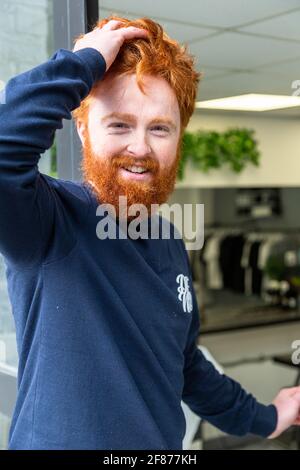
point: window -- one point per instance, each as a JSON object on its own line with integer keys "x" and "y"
{"x": 25, "y": 41}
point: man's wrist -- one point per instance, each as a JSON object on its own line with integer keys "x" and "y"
{"x": 275, "y": 432}
{"x": 265, "y": 421}
{"x": 94, "y": 60}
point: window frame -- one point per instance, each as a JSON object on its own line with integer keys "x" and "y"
{"x": 70, "y": 19}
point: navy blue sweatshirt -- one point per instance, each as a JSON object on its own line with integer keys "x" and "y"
{"x": 106, "y": 329}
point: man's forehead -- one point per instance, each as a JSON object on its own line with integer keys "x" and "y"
{"x": 120, "y": 88}
{"x": 122, "y": 99}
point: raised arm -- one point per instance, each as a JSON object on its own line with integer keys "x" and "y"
{"x": 33, "y": 107}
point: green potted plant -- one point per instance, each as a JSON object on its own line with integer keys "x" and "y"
{"x": 208, "y": 150}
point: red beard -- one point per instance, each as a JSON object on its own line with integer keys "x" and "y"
{"x": 108, "y": 184}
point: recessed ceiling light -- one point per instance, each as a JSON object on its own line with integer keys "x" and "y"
{"x": 251, "y": 102}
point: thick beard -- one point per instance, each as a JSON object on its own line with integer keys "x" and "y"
{"x": 108, "y": 184}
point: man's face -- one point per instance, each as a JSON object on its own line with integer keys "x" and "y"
{"x": 128, "y": 129}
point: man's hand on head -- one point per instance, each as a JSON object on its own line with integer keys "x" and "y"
{"x": 109, "y": 39}
{"x": 287, "y": 403}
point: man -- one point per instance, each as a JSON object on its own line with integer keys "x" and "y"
{"x": 107, "y": 327}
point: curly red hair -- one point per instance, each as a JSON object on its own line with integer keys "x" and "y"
{"x": 157, "y": 55}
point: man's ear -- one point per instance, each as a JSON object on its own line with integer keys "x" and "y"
{"x": 81, "y": 129}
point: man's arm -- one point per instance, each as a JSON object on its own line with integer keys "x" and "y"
{"x": 35, "y": 103}
{"x": 219, "y": 399}
{"x": 224, "y": 403}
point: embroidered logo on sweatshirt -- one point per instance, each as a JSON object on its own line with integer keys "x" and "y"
{"x": 184, "y": 293}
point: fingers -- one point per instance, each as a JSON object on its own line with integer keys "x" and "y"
{"x": 291, "y": 391}
{"x": 112, "y": 24}
{"x": 133, "y": 32}
{"x": 296, "y": 395}
{"x": 128, "y": 32}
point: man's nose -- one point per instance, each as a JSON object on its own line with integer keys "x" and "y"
{"x": 139, "y": 145}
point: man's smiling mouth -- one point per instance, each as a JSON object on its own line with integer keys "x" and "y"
{"x": 136, "y": 169}
{"x": 135, "y": 172}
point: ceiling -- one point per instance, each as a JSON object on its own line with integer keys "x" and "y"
{"x": 240, "y": 46}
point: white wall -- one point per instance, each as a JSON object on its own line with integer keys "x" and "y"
{"x": 279, "y": 143}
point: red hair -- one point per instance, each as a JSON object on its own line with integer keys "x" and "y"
{"x": 157, "y": 55}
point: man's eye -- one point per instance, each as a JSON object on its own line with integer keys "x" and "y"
{"x": 122, "y": 125}
{"x": 118, "y": 125}
{"x": 161, "y": 128}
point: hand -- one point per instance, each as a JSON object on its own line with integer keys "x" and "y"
{"x": 108, "y": 39}
{"x": 287, "y": 404}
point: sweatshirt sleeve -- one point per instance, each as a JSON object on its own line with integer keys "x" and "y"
{"x": 219, "y": 399}
{"x": 33, "y": 106}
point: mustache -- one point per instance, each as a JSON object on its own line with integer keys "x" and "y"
{"x": 120, "y": 161}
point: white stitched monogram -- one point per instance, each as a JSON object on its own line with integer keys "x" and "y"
{"x": 184, "y": 294}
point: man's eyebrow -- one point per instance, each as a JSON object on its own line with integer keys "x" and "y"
{"x": 131, "y": 118}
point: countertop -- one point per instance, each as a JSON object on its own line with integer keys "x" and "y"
{"x": 226, "y": 311}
